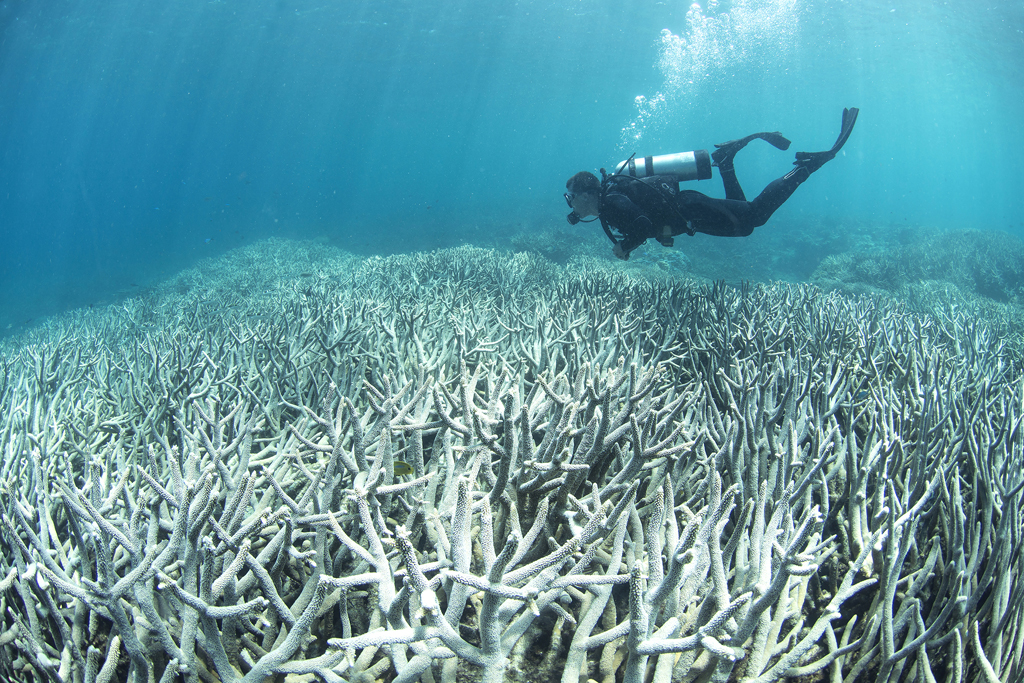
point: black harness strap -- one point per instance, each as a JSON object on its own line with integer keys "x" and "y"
{"x": 658, "y": 192}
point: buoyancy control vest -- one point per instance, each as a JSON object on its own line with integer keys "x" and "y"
{"x": 680, "y": 167}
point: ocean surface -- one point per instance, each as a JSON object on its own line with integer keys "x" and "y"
{"x": 138, "y": 137}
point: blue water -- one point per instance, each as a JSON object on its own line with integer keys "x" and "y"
{"x": 139, "y": 136}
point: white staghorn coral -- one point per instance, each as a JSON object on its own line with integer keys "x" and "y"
{"x": 465, "y": 465}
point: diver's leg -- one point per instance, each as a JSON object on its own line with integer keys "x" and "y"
{"x": 725, "y": 152}
{"x": 720, "y": 217}
{"x": 729, "y": 181}
{"x": 773, "y": 196}
{"x": 778, "y": 191}
{"x": 736, "y": 218}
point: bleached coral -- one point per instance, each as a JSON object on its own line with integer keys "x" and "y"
{"x": 441, "y": 465}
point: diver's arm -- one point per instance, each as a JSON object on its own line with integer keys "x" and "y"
{"x": 642, "y": 229}
{"x": 628, "y": 219}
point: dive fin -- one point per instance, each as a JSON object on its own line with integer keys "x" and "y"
{"x": 727, "y": 150}
{"x": 776, "y": 140}
{"x": 812, "y": 161}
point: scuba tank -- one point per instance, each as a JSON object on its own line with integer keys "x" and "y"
{"x": 695, "y": 165}
{"x": 682, "y": 166}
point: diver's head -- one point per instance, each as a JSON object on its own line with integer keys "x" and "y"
{"x": 582, "y": 196}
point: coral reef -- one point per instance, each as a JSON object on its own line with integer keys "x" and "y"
{"x": 983, "y": 263}
{"x": 293, "y": 465}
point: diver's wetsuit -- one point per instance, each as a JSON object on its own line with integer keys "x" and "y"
{"x": 642, "y": 208}
{"x": 653, "y": 207}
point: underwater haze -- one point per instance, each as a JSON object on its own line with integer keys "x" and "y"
{"x": 138, "y": 136}
{"x": 305, "y": 375}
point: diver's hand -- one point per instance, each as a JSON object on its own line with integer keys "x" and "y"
{"x": 620, "y": 253}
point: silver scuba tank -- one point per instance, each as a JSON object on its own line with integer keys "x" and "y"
{"x": 695, "y": 165}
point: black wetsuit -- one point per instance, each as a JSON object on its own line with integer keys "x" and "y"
{"x": 643, "y": 208}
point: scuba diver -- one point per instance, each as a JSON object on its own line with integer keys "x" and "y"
{"x": 642, "y": 200}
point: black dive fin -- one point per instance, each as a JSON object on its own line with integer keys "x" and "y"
{"x": 812, "y": 161}
{"x": 776, "y": 140}
{"x": 727, "y": 150}
{"x": 849, "y": 118}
